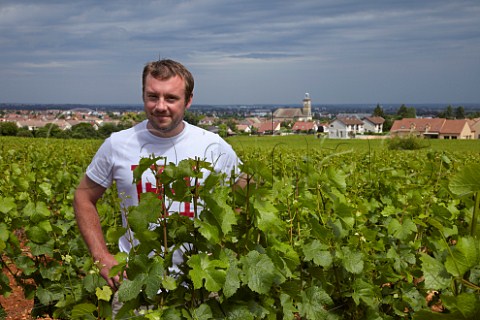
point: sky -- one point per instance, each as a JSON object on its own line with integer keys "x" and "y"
{"x": 243, "y": 52}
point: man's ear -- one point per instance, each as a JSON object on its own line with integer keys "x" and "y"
{"x": 189, "y": 102}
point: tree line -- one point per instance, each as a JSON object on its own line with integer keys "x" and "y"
{"x": 449, "y": 112}
{"x": 82, "y": 130}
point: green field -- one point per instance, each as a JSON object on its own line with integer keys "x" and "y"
{"x": 328, "y": 229}
{"x": 310, "y": 142}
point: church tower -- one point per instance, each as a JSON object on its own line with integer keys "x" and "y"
{"x": 307, "y": 107}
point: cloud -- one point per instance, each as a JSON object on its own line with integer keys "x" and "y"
{"x": 309, "y": 40}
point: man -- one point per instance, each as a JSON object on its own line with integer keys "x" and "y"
{"x": 167, "y": 94}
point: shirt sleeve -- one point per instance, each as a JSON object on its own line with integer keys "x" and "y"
{"x": 100, "y": 169}
{"x": 227, "y": 160}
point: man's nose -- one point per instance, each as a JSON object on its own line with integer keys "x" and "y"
{"x": 161, "y": 104}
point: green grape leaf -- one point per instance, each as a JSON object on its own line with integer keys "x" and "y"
{"x": 212, "y": 271}
{"x": 104, "y": 293}
{"x": 207, "y": 227}
{"x": 259, "y": 271}
{"x": 365, "y": 292}
{"x": 317, "y": 252}
{"x": 169, "y": 283}
{"x": 36, "y": 213}
{"x": 288, "y": 306}
{"x": 143, "y": 165}
{"x": 466, "y": 181}
{"x": 345, "y": 213}
{"x": 465, "y": 256}
{"x": 401, "y": 231}
{"x": 239, "y": 312}
{"x": 37, "y": 235}
{"x": 337, "y": 178}
{"x": 232, "y": 281}
{"x": 154, "y": 278}
{"x": 84, "y": 311}
{"x": 130, "y": 289}
{"x": 7, "y": 204}
{"x": 268, "y": 219}
{"x": 217, "y": 201}
{"x": 313, "y": 303}
{"x": 46, "y": 188}
{"x": 26, "y": 264}
{"x": 436, "y": 277}
{"x": 203, "y": 312}
{"x": 352, "y": 261}
{"x": 148, "y": 211}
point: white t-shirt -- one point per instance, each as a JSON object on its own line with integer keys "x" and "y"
{"x": 116, "y": 159}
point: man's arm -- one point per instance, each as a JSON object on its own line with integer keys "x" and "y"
{"x": 242, "y": 181}
{"x": 86, "y": 196}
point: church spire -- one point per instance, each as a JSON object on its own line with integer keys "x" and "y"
{"x": 307, "y": 107}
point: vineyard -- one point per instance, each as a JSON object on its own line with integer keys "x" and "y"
{"x": 326, "y": 229}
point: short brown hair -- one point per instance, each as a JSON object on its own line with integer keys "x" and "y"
{"x": 165, "y": 69}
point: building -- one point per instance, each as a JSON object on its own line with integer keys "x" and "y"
{"x": 433, "y": 128}
{"x": 295, "y": 114}
{"x": 304, "y": 126}
{"x": 267, "y": 127}
{"x": 345, "y": 128}
{"x": 475, "y": 126}
{"x": 373, "y": 124}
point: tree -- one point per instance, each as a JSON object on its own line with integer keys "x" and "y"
{"x": 460, "y": 113}
{"x": 387, "y": 125}
{"x": 192, "y": 117}
{"x": 84, "y": 130}
{"x": 232, "y": 125}
{"x": 50, "y": 130}
{"x": 22, "y": 132}
{"x": 378, "y": 112}
{"x": 8, "y": 129}
{"x": 223, "y": 130}
{"x": 406, "y": 112}
{"x": 107, "y": 129}
{"x": 448, "y": 113}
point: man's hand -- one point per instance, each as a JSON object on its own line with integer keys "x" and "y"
{"x": 106, "y": 263}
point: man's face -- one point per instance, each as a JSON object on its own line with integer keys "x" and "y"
{"x": 165, "y": 105}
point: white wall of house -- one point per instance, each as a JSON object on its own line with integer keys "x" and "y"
{"x": 339, "y": 130}
{"x": 372, "y": 127}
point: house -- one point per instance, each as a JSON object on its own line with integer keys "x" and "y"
{"x": 433, "y": 128}
{"x": 373, "y": 124}
{"x": 267, "y": 127}
{"x": 244, "y": 128}
{"x": 323, "y": 127}
{"x": 475, "y": 126}
{"x": 250, "y": 121}
{"x": 207, "y": 121}
{"x": 303, "y": 126}
{"x": 30, "y": 124}
{"x": 345, "y": 128}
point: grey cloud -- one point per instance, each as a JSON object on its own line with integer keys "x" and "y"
{"x": 99, "y": 38}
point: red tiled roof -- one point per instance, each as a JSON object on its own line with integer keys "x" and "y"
{"x": 433, "y": 125}
{"x": 303, "y": 126}
{"x": 420, "y": 125}
{"x": 267, "y": 126}
{"x": 375, "y": 120}
{"x": 288, "y": 113}
{"x": 350, "y": 120}
{"x": 453, "y": 126}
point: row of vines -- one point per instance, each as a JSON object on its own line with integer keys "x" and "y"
{"x": 317, "y": 234}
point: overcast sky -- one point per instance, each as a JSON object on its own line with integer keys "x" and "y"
{"x": 243, "y": 51}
